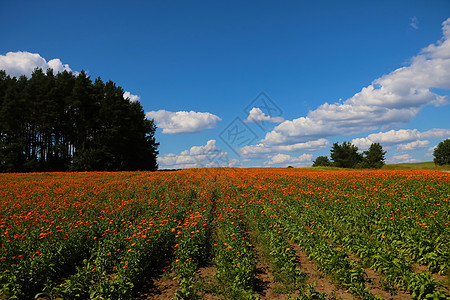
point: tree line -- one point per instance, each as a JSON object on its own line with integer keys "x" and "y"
{"x": 347, "y": 156}
{"x": 67, "y": 122}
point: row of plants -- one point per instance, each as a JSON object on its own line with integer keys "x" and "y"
{"x": 192, "y": 249}
{"x": 105, "y": 235}
{"x": 234, "y": 256}
{"x": 92, "y": 244}
{"x": 381, "y": 253}
{"x": 396, "y": 270}
{"x": 119, "y": 264}
{"x": 272, "y": 238}
{"x": 332, "y": 212}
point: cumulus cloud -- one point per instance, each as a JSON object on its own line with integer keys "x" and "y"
{"x": 257, "y": 115}
{"x": 133, "y": 98}
{"x": 23, "y": 63}
{"x": 209, "y": 148}
{"x": 208, "y": 155}
{"x": 287, "y": 159}
{"x": 261, "y": 149}
{"x": 399, "y": 136}
{"x": 183, "y": 121}
{"x": 391, "y": 100}
{"x": 402, "y": 158}
{"x": 413, "y": 145}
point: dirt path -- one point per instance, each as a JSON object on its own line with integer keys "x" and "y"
{"x": 206, "y": 277}
{"x": 160, "y": 287}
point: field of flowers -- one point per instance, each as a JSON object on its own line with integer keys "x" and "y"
{"x": 210, "y": 232}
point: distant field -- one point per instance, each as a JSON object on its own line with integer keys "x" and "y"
{"x": 416, "y": 166}
{"x": 429, "y": 165}
{"x": 226, "y": 233}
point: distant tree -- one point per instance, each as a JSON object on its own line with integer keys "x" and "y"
{"x": 442, "y": 153}
{"x": 321, "y": 161}
{"x": 373, "y": 158}
{"x": 345, "y": 155}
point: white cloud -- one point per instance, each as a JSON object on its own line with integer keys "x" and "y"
{"x": 391, "y": 100}
{"x": 208, "y": 155}
{"x": 23, "y": 63}
{"x": 183, "y": 121}
{"x": 413, "y": 145}
{"x": 209, "y": 148}
{"x": 399, "y": 136}
{"x": 261, "y": 149}
{"x": 402, "y": 158}
{"x": 257, "y": 115}
{"x": 133, "y": 98}
{"x": 414, "y": 22}
{"x": 287, "y": 159}
{"x": 430, "y": 151}
{"x": 234, "y": 163}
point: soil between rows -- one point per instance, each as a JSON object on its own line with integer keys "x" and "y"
{"x": 265, "y": 282}
{"x": 314, "y": 275}
{"x": 164, "y": 286}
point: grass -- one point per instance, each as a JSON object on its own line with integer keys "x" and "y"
{"x": 429, "y": 165}
{"x": 417, "y": 166}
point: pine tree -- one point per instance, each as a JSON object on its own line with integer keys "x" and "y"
{"x": 374, "y": 157}
{"x": 345, "y": 155}
{"x": 65, "y": 122}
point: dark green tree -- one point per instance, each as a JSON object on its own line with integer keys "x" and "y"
{"x": 13, "y": 134}
{"x": 321, "y": 161}
{"x": 124, "y": 139}
{"x": 60, "y": 122}
{"x": 345, "y": 155}
{"x": 63, "y": 126}
{"x": 373, "y": 158}
{"x": 442, "y": 153}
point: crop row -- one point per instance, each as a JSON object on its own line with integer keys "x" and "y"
{"x": 105, "y": 235}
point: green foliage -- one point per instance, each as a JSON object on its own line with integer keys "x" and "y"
{"x": 321, "y": 161}
{"x": 425, "y": 287}
{"x": 234, "y": 257}
{"x": 345, "y": 155}
{"x": 310, "y": 293}
{"x": 373, "y": 158}
{"x": 273, "y": 240}
{"x": 67, "y": 122}
{"x": 442, "y": 153}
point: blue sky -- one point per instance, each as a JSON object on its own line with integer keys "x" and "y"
{"x": 254, "y": 83}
